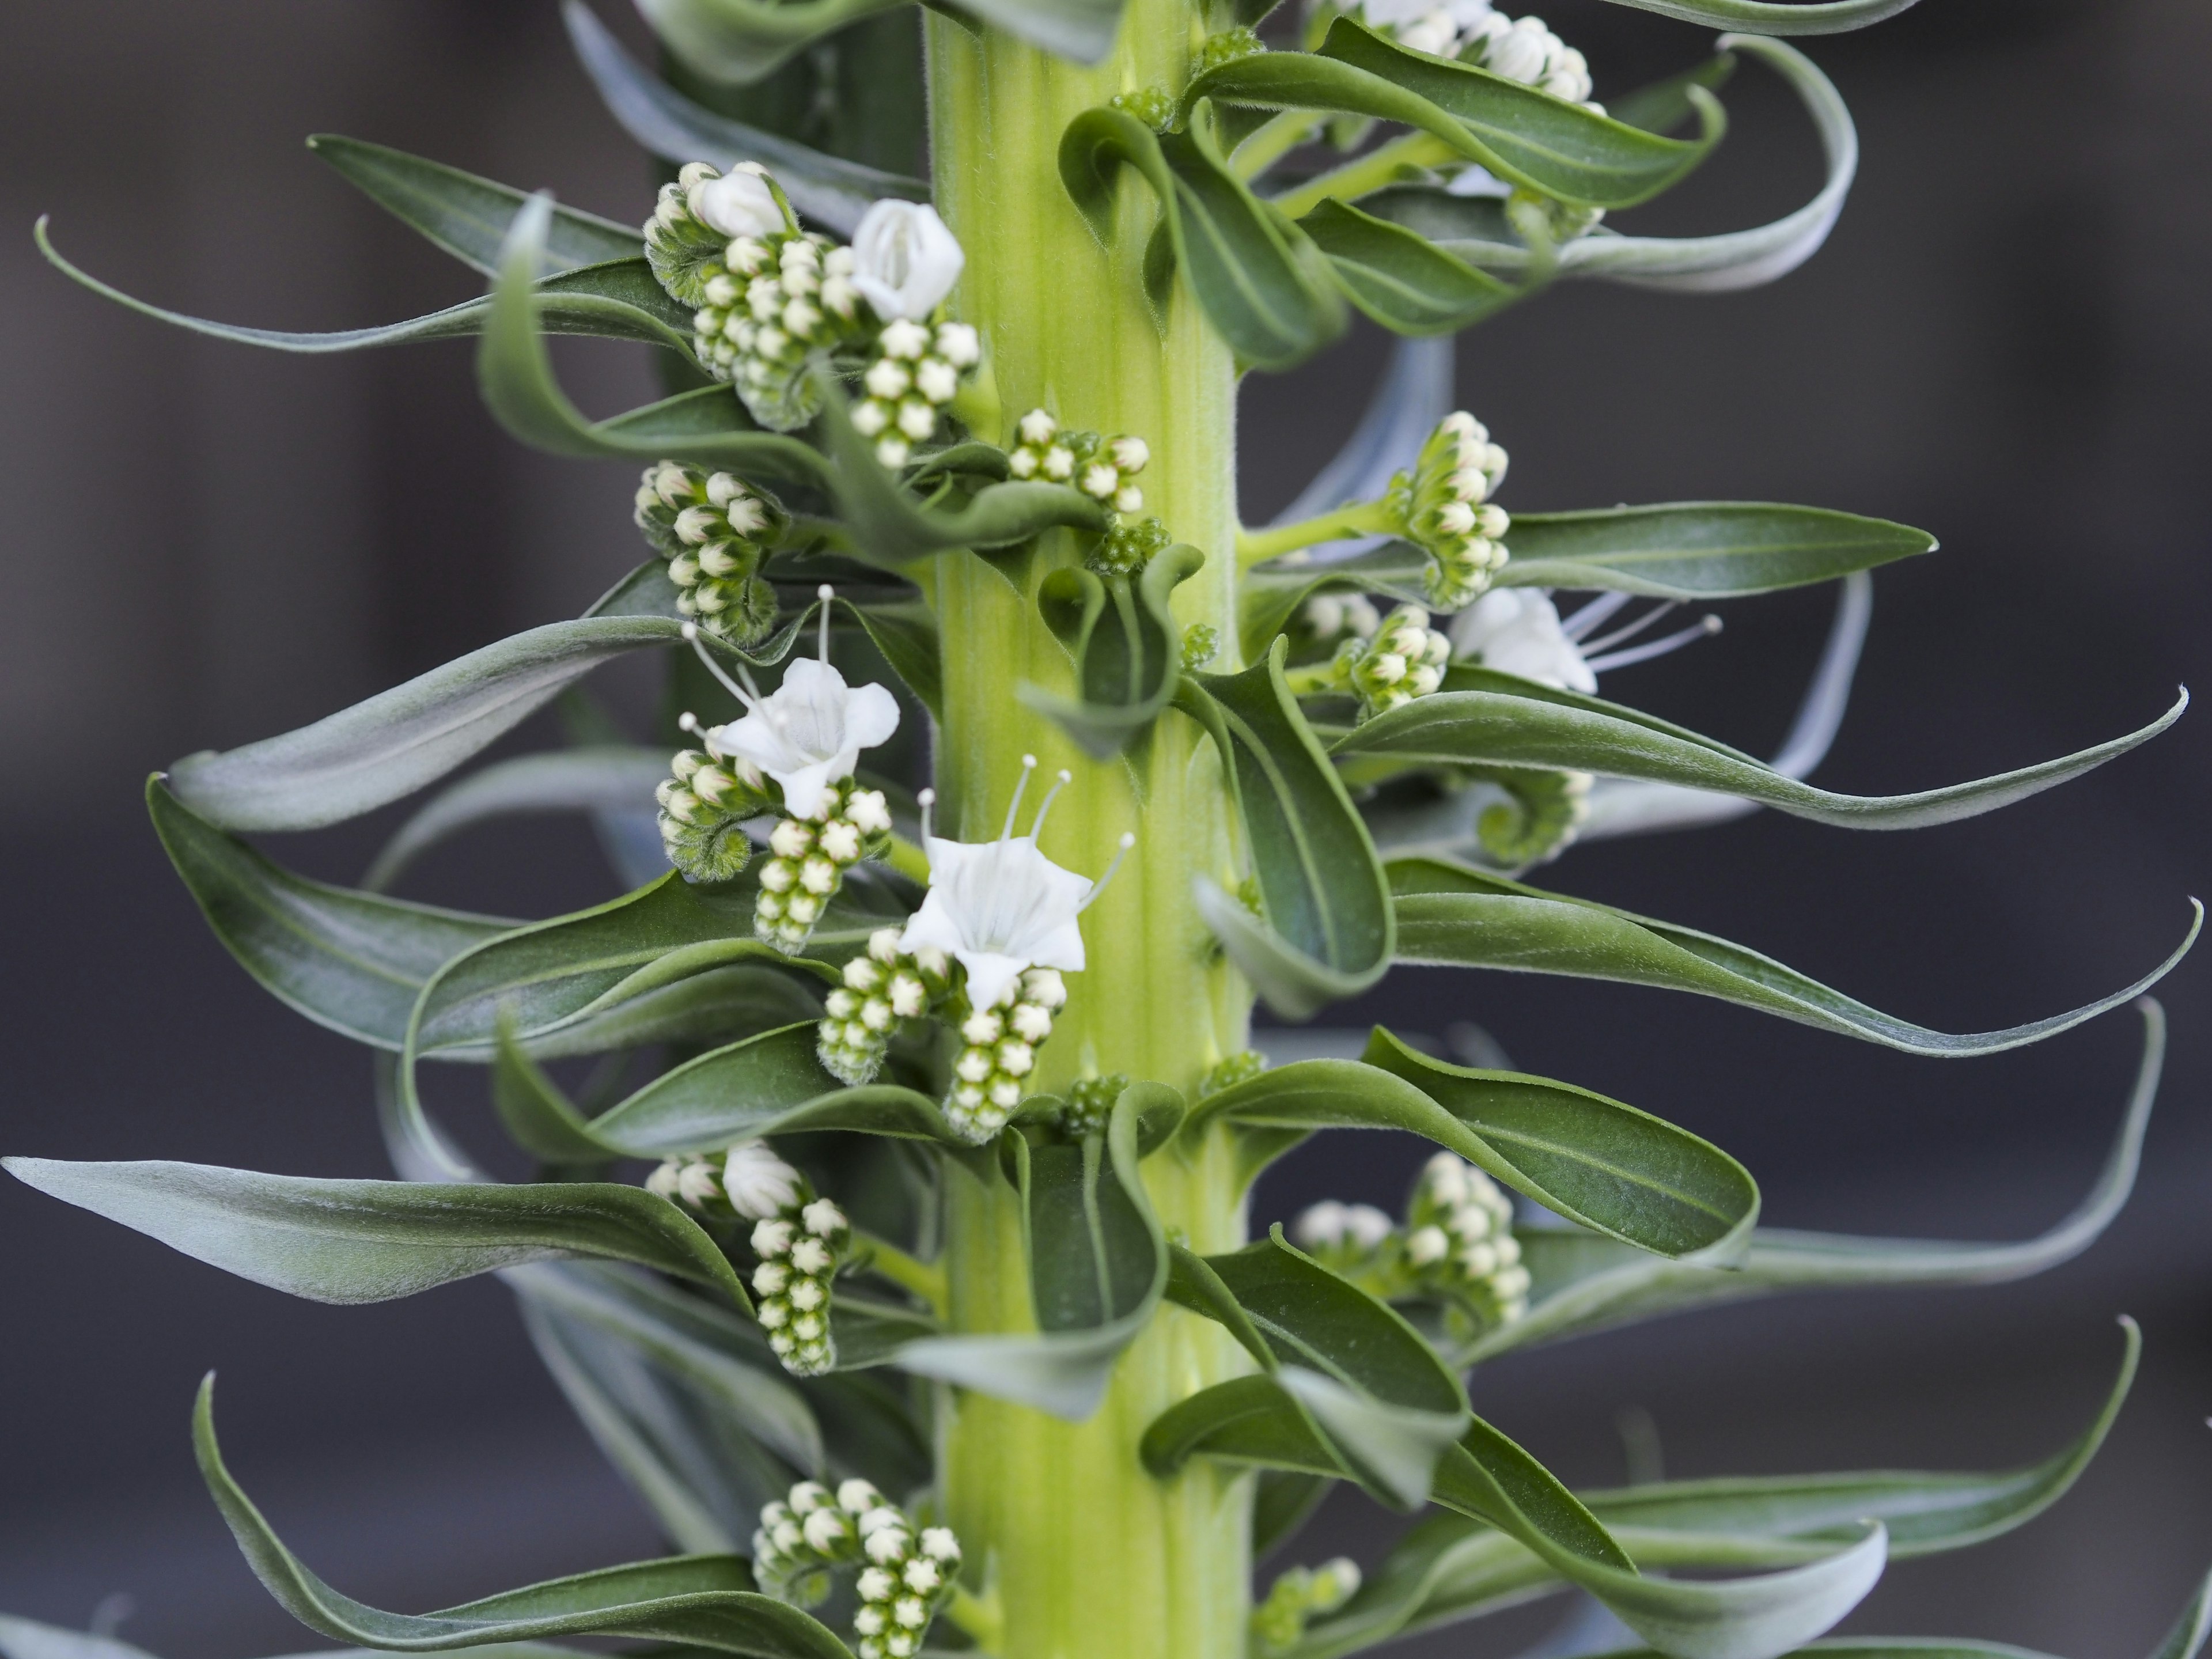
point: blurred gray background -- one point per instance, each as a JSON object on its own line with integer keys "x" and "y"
{"x": 2006, "y": 341}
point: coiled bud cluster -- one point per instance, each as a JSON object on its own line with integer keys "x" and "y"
{"x": 1540, "y": 818}
{"x": 882, "y": 990}
{"x": 1299, "y": 1595}
{"x": 808, "y": 859}
{"x": 1458, "y": 1239}
{"x": 704, "y": 803}
{"x": 1443, "y": 505}
{"x": 991, "y": 1074}
{"x": 1405, "y": 659}
{"x": 906, "y": 1573}
{"x": 914, "y": 375}
{"x": 1091, "y": 1103}
{"x": 713, "y": 530}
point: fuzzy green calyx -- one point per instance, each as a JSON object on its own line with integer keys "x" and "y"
{"x": 1443, "y": 504}
{"x": 713, "y": 529}
{"x": 704, "y": 803}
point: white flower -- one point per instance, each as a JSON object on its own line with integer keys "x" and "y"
{"x": 738, "y": 204}
{"x": 1516, "y": 630}
{"x": 905, "y": 260}
{"x": 1002, "y": 908}
{"x": 758, "y": 1182}
{"x": 808, "y": 733}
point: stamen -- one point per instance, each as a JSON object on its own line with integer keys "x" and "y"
{"x": 926, "y": 800}
{"x": 825, "y": 594}
{"x": 1052, "y": 794}
{"x": 1592, "y": 614}
{"x": 748, "y": 694}
{"x": 1128, "y": 840}
{"x": 690, "y": 722}
{"x": 1633, "y": 628}
{"x": 1705, "y": 628}
{"x": 1029, "y": 765}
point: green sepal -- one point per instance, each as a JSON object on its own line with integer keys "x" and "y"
{"x": 695, "y": 1601}
{"x": 351, "y": 1241}
{"x": 1259, "y": 279}
{"x": 1449, "y": 914}
{"x": 1126, "y": 646}
{"x": 1487, "y": 717}
{"x": 1400, "y": 280}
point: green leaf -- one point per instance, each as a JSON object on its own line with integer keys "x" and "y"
{"x": 565, "y": 781}
{"x": 1557, "y": 149}
{"x": 698, "y": 1600}
{"x": 1404, "y": 283}
{"x": 26, "y": 1638}
{"x": 1700, "y": 550}
{"x": 537, "y": 1117}
{"x": 1493, "y": 719}
{"x": 1098, "y": 1266}
{"x": 350, "y": 961}
{"x": 1619, "y": 1172}
{"x": 829, "y": 190}
{"x": 739, "y": 42}
{"x": 1775, "y": 16}
{"x": 1126, "y": 646}
{"x": 618, "y": 300}
{"x": 1325, "y": 929}
{"x": 1272, "y": 594}
{"x": 1452, "y": 915}
{"x": 1258, "y": 278}
{"x": 468, "y": 216}
{"x": 1585, "y": 1284}
{"x": 905, "y": 633}
{"x": 371, "y": 1241}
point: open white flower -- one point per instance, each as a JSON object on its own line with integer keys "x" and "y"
{"x": 905, "y": 260}
{"x": 1516, "y": 630}
{"x": 738, "y": 204}
{"x": 808, "y": 733}
{"x": 1002, "y": 906}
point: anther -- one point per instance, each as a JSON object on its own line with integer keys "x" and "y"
{"x": 825, "y": 594}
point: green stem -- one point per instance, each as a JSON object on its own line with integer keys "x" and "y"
{"x": 925, "y": 1279}
{"x": 1359, "y": 519}
{"x": 1269, "y": 144}
{"x": 908, "y": 859}
{"x": 1312, "y": 679}
{"x": 1381, "y": 166}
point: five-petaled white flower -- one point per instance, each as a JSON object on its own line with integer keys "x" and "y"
{"x": 1002, "y": 906}
{"x": 905, "y": 260}
{"x": 1516, "y": 630}
{"x": 738, "y": 204}
{"x": 808, "y": 733}
{"x": 757, "y": 1183}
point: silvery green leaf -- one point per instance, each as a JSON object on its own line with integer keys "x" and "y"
{"x": 1489, "y": 718}
{"x": 1407, "y": 284}
{"x": 468, "y": 216}
{"x": 739, "y": 42}
{"x": 697, "y": 1600}
{"x": 371, "y": 1241}
{"x": 565, "y": 781}
{"x": 832, "y": 191}
{"x": 535, "y": 1111}
{"x": 26, "y": 1638}
{"x": 1583, "y": 1282}
{"x": 1126, "y": 646}
{"x": 1775, "y": 16}
{"x": 1701, "y": 550}
{"x": 1449, "y": 914}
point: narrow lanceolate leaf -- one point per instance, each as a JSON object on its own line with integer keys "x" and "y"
{"x": 1098, "y": 1265}
{"x": 1450, "y": 1569}
{"x": 617, "y": 301}
{"x": 1126, "y": 646}
{"x": 351, "y": 961}
{"x": 1451, "y": 916}
{"x": 1502, "y": 721}
{"x": 1325, "y": 928}
{"x": 1622, "y": 1172}
{"x": 1776, "y": 17}
{"x": 832, "y": 191}
{"x": 567, "y": 780}
{"x": 1403, "y": 282}
{"x": 370, "y": 1241}
{"x": 698, "y": 1600}
{"x": 1585, "y": 1284}
{"x": 1258, "y": 278}
{"x": 737, "y": 42}
{"x": 1700, "y": 550}
{"x": 468, "y": 216}
{"x": 537, "y": 1114}
{"x": 768, "y": 1084}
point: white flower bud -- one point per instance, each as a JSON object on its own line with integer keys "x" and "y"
{"x": 825, "y": 1529}
{"x": 809, "y": 1496}
{"x": 875, "y": 1585}
{"x": 1427, "y": 1245}
{"x": 1038, "y": 428}
{"x": 806, "y": 1294}
{"x": 1366, "y": 1225}
{"x": 916, "y": 419}
{"x": 904, "y": 340}
{"x": 982, "y": 1028}
{"x": 1479, "y": 1261}
{"x": 892, "y": 451}
{"x": 884, "y": 943}
{"x": 771, "y": 1279}
{"x": 823, "y": 1217}
{"x": 959, "y": 344}
{"x": 840, "y": 841}
{"x": 759, "y": 1182}
{"x": 1045, "y": 988}
{"x": 1060, "y": 463}
{"x": 1130, "y": 454}
{"x": 887, "y": 379}
{"x": 910, "y": 1611}
{"x": 810, "y": 1255}
{"x": 939, "y": 1543}
{"x": 662, "y": 1182}
{"x": 790, "y": 839}
{"x": 1100, "y": 480}
{"x": 1031, "y": 1023}
{"x": 818, "y": 876}
{"x": 771, "y": 1239}
{"x": 1320, "y": 1225}
{"x": 905, "y": 260}
{"x": 922, "y": 1575}
{"x": 871, "y": 417}
{"x": 937, "y": 379}
{"x": 888, "y": 1545}
{"x": 695, "y": 1182}
{"x": 1128, "y": 499}
{"x": 909, "y": 997}
{"x": 973, "y": 1066}
{"x": 1015, "y": 1058}
{"x": 739, "y": 203}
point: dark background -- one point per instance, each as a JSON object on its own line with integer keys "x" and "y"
{"x": 2004, "y": 342}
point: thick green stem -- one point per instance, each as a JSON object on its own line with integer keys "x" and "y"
{"x": 1381, "y": 166}
{"x": 1088, "y": 1555}
{"x": 1360, "y": 518}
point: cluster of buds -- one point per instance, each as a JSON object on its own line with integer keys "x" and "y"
{"x": 1105, "y": 469}
{"x": 1458, "y": 1239}
{"x": 703, "y": 808}
{"x": 1330, "y": 617}
{"x": 999, "y": 1052}
{"x": 1345, "y": 1237}
{"x": 1299, "y": 1596}
{"x": 906, "y": 1573}
{"x": 799, "y": 1238}
{"x": 1443, "y": 505}
{"x": 1091, "y": 1103}
{"x": 1405, "y": 659}
{"x": 1127, "y": 546}
{"x": 914, "y": 375}
{"x": 1240, "y": 1067}
{"x": 780, "y": 298}
{"x": 1543, "y": 813}
{"x": 882, "y": 990}
{"x": 698, "y": 217}
{"x": 808, "y": 859}
{"x": 1518, "y": 48}
{"x": 1201, "y": 644}
{"x": 713, "y": 529}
